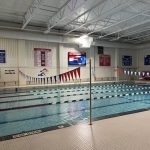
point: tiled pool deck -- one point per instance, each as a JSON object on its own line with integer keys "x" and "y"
{"x": 128, "y": 132}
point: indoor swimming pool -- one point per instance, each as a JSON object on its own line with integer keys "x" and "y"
{"x": 37, "y": 110}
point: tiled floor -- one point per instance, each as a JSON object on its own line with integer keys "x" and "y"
{"x": 130, "y": 132}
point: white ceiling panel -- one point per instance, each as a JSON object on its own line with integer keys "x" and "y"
{"x": 118, "y": 20}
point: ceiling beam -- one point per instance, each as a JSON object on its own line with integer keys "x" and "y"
{"x": 126, "y": 28}
{"x": 86, "y": 14}
{"x": 130, "y": 33}
{"x": 30, "y": 12}
{"x": 115, "y": 7}
{"x": 68, "y": 9}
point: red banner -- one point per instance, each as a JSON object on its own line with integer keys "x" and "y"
{"x": 78, "y": 71}
{"x": 60, "y": 77}
{"x": 65, "y": 74}
{"x": 71, "y": 73}
{"x": 104, "y": 60}
{"x": 68, "y": 74}
{"x": 75, "y": 73}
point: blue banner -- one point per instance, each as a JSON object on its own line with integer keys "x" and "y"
{"x": 147, "y": 60}
{"x": 2, "y": 56}
{"x": 127, "y": 61}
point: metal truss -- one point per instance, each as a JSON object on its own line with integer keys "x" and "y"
{"x": 134, "y": 33}
{"x": 64, "y": 12}
{"x": 141, "y": 22}
{"x": 83, "y": 17}
{"x": 139, "y": 37}
{"x": 30, "y": 12}
{"x": 122, "y": 23}
{"x": 102, "y": 12}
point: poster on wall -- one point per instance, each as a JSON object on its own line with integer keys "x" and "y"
{"x": 42, "y": 57}
{"x": 104, "y": 60}
{"x": 2, "y": 56}
{"x": 76, "y": 58}
{"x": 147, "y": 60}
{"x": 126, "y": 60}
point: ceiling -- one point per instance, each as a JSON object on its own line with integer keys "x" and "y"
{"x": 110, "y": 20}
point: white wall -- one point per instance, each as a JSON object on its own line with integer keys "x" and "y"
{"x": 11, "y": 48}
{"x": 27, "y": 66}
{"x": 20, "y": 55}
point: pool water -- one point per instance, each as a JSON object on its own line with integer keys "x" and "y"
{"x": 35, "y": 109}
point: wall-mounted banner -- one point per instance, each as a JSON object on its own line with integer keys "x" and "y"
{"x": 126, "y": 60}
{"x": 42, "y": 57}
{"x": 10, "y": 72}
{"x": 2, "y": 56}
{"x": 104, "y": 60}
{"x": 147, "y": 60}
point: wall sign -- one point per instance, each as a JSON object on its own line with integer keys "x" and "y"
{"x": 126, "y": 60}
{"x": 42, "y": 57}
{"x": 10, "y": 72}
{"x": 104, "y": 60}
{"x": 147, "y": 60}
{"x": 2, "y": 56}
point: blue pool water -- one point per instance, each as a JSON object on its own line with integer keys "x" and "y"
{"x": 42, "y": 108}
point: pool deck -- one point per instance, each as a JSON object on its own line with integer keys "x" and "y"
{"x": 128, "y": 132}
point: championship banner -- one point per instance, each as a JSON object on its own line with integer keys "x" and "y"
{"x": 126, "y": 60}
{"x": 2, "y": 56}
{"x": 104, "y": 60}
{"x": 42, "y": 57}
